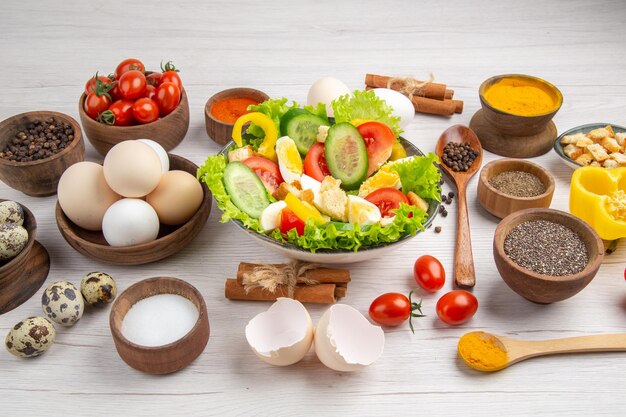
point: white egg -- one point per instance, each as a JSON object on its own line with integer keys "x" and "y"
{"x": 130, "y": 222}
{"x": 283, "y": 334}
{"x": 346, "y": 341}
{"x": 161, "y": 152}
{"x": 402, "y": 106}
{"x": 309, "y": 183}
{"x": 270, "y": 217}
{"x": 362, "y": 211}
{"x": 289, "y": 159}
{"x": 325, "y": 90}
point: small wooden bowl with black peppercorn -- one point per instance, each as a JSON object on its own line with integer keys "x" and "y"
{"x": 34, "y": 164}
{"x": 527, "y": 185}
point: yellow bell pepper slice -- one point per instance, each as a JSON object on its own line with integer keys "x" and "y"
{"x": 303, "y": 210}
{"x": 359, "y": 122}
{"x": 266, "y": 148}
{"x": 597, "y": 197}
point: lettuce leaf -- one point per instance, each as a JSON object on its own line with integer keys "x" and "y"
{"x": 418, "y": 174}
{"x": 274, "y": 109}
{"x": 365, "y": 105}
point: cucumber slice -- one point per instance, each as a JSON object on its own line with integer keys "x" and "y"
{"x": 340, "y": 226}
{"x": 245, "y": 189}
{"x": 302, "y": 127}
{"x": 346, "y": 155}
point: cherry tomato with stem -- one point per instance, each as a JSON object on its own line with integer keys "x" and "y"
{"x": 315, "y": 165}
{"x": 128, "y": 65}
{"x": 167, "y": 97}
{"x": 457, "y": 307}
{"x": 120, "y": 113}
{"x": 90, "y": 85}
{"x": 267, "y": 171}
{"x": 170, "y": 75}
{"x": 132, "y": 85}
{"x": 429, "y": 273}
{"x": 289, "y": 220}
{"x": 145, "y": 110}
{"x": 393, "y": 309}
{"x": 387, "y": 199}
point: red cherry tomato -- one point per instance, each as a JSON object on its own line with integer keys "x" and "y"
{"x": 289, "y": 220}
{"x": 115, "y": 92}
{"x": 128, "y": 65}
{"x": 167, "y": 97}
{"x": 154, "y": 79}
{"x": 392, "y": 309}
{"x": 378, "y": 139}
{"x": 429, "y": 273}
{"x": 457, "y": 307}
{"x": 123, "y": 112}
{"x": 145, "y": 110}
{"x": 91, "y": 83}
{"x": 132, "y": 84}
{"x": 387, "y": 199}
{"x": 172, "y": 77}
{"x": 95, "y": 105}
{"x": 315, "y": 165}
{"x": 150, "y": 92}
{"x": 267, "y": 171}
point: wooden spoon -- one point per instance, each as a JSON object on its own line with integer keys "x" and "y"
{"x": 519, "y": 350}
{"x": 464, "y": 274}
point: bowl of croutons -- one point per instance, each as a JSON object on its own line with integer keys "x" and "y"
{"x": 595, "y": 144}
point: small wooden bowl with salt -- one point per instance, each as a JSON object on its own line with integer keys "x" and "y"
{"x": 508, "y": 185}
{"x": 159, "y": 325}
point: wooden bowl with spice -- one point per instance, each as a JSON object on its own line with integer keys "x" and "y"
{"x": 516, "y": 115}
{"x": 36, "y": 148}
{"x": 546, "y": 255}
{"x": 172, "y": 341}
{"x": 167, "y": 131}
{"x": 224, "y": 108}
{"x": 508, "y": 185}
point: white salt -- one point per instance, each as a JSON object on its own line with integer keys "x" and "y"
{"x": 159, "y": 320}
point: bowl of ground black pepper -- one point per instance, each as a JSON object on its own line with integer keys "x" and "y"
{"x": 546, "y": 255}
{"x": 508, "y": 185}
{"x": 36, "y": 148}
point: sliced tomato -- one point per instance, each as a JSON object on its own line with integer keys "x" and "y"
{"x": 315, "y": 165}
{"x": 387, "y": 199}
{"x": 267, "y": 171}
{"x": 289, "y": 220}
{"x": 378, "y": 139}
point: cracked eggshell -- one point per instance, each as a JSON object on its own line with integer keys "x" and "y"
{"x": 283, "y": 334}
{"x": 346, "y": 341}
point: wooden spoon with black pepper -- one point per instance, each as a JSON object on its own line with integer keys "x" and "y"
{"x": 461, "y": 173}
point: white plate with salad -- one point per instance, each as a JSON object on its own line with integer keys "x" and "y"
{"x": 320, "y": 189}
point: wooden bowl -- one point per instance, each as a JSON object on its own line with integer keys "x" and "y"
{"x": 171, "y": 239}
{"x": 221, "y": 132}
{"x": 22, "y": 276}
{"x": 167, "y": 358}
{"x": 500, "y": 204}
{"x": 544, "y": 289}
{"x": 168, "y": 131}
{"x": 38, "y": 178}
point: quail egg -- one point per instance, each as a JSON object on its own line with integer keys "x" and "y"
{"x": 11, "y": 212}
{"x": 63, "y": 303}
{"x": 30, "y": 337}
{"x": 13, "y": 239}
{"x": 98, "y": 288}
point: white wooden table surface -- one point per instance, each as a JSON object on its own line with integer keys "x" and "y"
{"x": 48, "y": 51}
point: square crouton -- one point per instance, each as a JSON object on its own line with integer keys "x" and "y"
{"x": 584, "y": 159}
{"x": 610, "y": 163}
{"x": 573, "y": 151}
{"x": 595, "y": 164}
{"x": 618, "y": 157}
{"x": 283, "y": 189}
{"x": 609, "y": 128}
{"x": 598, "y": 152}
{"x": 584, "y": 142}
{"x": 566, "y": 140}
{"x": 621, "y": 139}
{"x": 611, "y": 145}
{"x": 599, "y": 134}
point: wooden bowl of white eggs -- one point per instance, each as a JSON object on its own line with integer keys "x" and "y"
{"x": 141, "y": 205}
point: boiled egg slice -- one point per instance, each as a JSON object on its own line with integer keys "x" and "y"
{"x": 270, "y": 217}
{"x": 362, "y": 211}
{"x": 289, "y": 159}
{"x": 309, "y": 183}
{"x": 381, "y": 179}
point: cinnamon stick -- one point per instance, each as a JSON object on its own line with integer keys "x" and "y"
{"x": 437, "y": 107}
{"x": 321, "y": 275}
{"x": 319, "y": 294}
{"x": 341, "y": 292}
{"x": 435, "y": 91}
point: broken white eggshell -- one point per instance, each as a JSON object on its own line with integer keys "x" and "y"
{"x": 346, "y": 341}
{"x": 283, "y": 334}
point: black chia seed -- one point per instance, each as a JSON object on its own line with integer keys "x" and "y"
{"x": 458, "y": 156}
{"x": 547, "y": 248}
{"x": 518, "y": 184}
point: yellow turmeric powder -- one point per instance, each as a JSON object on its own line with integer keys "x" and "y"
{"x": 521, "y": 97}
{"x": 482, "y": 351}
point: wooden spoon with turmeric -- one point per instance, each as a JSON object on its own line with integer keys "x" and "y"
{"x": 488, "y": 353}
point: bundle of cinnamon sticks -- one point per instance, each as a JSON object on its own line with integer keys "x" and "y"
{"x": 427, "y": 97}
{"x": 330, "y": 284}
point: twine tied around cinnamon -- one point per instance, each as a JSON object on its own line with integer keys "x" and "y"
{"x": 269, "y": 277}
{"x": 409, "y": 86}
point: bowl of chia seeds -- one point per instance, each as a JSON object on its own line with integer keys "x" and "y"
{"x": 36, "y": 148}
{"x": 546, "y": 255}
{"x": 508, "y": 185}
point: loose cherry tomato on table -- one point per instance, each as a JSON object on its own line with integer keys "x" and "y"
{"x": 128, "y": 65}
{"x": 315, "y": 165}
{"x": 90, "y": 86}
{"x": 379, "y": 140}
{"x": 429, "y": 273}
{"x": 132, "y": 84}
{"x": 392, "y": 309}
{"x": 145, "y": 110}
{"x": 154, "y": 79}
{"x": 170, "y": 75}
{"x": 387, "y": 199}
{"x": 167, "y": 97}
{"x": 267, "y": 171}
{"x": 457, "y": 307}
{"x": 120, "y": 113}
{"x": 289, "y": 220}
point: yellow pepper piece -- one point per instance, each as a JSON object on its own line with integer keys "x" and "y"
{"x": 596, "y": 194}
{"x": 303, "y": 210}
{"x": 397, "y": 151}
{"x": 266, "y": 148}
{"x": 359, "y": 122}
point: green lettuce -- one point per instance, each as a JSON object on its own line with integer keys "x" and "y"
{"x": 272, "y": 108}
{"x": 365, "y": 105}
{"x": 418, "y": 174}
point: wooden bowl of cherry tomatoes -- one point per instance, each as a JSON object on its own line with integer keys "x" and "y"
{"x": 133, "y": 103}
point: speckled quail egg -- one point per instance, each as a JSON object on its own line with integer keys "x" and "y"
{"x": 98, "y": 288}
{"x": 30, "y": 337}
{"x": 11, "y": 212}
{"x": 62, "y": 303}
{"x": 13, "y": 239}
